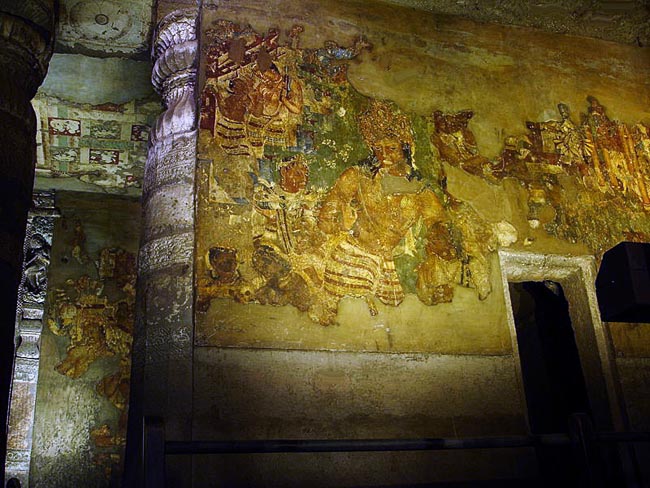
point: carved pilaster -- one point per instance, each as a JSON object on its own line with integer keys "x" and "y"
{"x": 29, "y": 324}
{"x": 162, "y": 350}
{"x": 26, "y": 31}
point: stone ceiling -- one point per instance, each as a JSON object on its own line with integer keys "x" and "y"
{"x": 123, "y": 27}
{"x": 105, "y": 27}
{"x": 624, "y": 21}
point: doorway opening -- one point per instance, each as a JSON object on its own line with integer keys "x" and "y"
{"x": 554, "y": 383}
{"x": 561, "y": 351}
{"x": 552, "y": 375}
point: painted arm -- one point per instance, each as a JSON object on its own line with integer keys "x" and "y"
{"x": 430, "y": 207}
{"x": 338, "y": 211}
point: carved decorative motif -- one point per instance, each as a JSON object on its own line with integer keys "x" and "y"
{"x": 118, "y": 27}
{"x": 26, "y": 30}
{"x": 175, "y": 164}
{"x": 175, "y": 50}
{"x": 172, "y": 153}
{"x": 166, "y": 252}
{"x": 32, "y": 292}
{"x": 177, "y": 27}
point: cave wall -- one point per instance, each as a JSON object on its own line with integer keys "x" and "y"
{"x": 509, "y": 138}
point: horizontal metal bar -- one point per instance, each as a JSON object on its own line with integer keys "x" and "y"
{"x": 351, "y": 445}
{"x": 622, "y": 437}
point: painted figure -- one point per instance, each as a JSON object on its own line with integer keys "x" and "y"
{"x": 442, "y": 268}
{"x": 257, "y": 105}
{"x": 275, "y": 107}
{"x": 456, "y": 142}
{"x": 571, "y": 143}
{"x": 282, "y": 285}
{"x": 287, "y": 208}
{"x": 368, "y": 211}
{"x": 285, "y": 219}
{"x": 222, "y": 263}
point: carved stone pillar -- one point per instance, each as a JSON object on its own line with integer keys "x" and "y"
{"x": 26, "y": 30}
{"x": 29, "y": 324}
{"x": 162, "y": 349}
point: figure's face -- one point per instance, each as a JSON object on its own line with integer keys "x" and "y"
{"x": 223, "y": 262}
{"x": 293, "y": 177}
{"x": 271, "y": 76}
{"x": 269, "y": 264}
{"x": 389, "y": 152}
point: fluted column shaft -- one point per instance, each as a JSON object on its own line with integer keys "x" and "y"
{"x": 162, "y": 350}
{"x": 26, "y": 30}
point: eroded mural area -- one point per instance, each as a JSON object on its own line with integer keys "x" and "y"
{"x": 82, "y": 407}
{"x": 312, "y": 193}
{"x": 102, "y": 146}
{"x": 98, "y": 327}
{"x": 581, "y": 177}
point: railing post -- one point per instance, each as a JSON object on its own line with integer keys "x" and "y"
{"x": 154, "y": 452}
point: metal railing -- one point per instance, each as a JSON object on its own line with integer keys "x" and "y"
{"x": 581, "y": 437}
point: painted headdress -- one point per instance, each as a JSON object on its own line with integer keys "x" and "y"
{"x": 383, "y": 121}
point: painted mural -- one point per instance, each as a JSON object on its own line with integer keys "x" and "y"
{"x": 312, "y": 194}
{"x": 85, "y": 368}
{"x": 102, "y": 146}
{"x": 323, "y": 193}
{"x": 604, "y": 162}
{"x": 98, "y": 327}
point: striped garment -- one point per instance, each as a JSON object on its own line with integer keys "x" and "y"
{"x": 232, "y": 135}
{"x": 352, "y": 271}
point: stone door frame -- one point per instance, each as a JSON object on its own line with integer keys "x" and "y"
{"x": 577, "y": 275}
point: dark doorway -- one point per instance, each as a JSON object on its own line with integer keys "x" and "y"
{"x": 553, "y": 379}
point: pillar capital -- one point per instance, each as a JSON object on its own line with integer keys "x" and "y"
{"x": 175, "y": 52}
{"x": 175, "y": 28}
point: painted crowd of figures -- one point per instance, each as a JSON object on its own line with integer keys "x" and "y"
{"x": 310, "y": 246}
{"x": 606, "y": 155}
